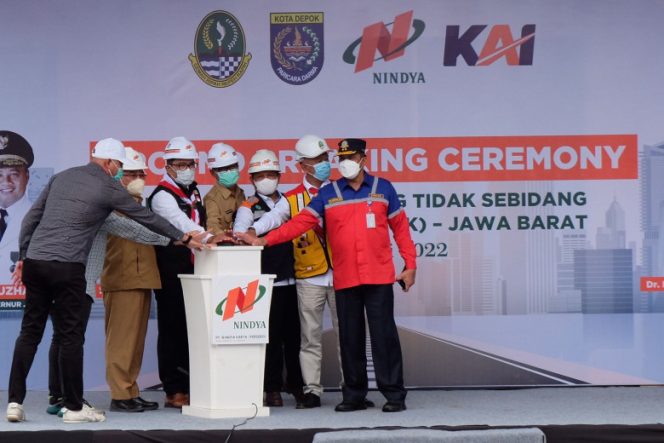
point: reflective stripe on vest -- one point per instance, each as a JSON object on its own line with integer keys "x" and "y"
{"x": 310, "y": 257}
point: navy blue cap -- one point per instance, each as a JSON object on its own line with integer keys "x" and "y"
{"x": 15, "y": 150}
{"x": 350, "y": 146}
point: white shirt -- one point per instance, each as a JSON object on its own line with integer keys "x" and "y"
{"x": 244, "y": 219}
{"x": 164, "y": 204}
{"x": 279, "y": 212}
{"x": 324, "y": 279}
{"x": 9, "y": 242}
{"x": 275, "y": 218}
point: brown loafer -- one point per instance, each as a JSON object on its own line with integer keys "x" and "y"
{"x": 176, "y": 400}
{"x": 273, "y": 399}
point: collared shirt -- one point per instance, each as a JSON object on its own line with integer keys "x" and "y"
{"x": 325, "y": 279}
{"x": 121, "y": 227}
{"x": 311, "y": 189}
{"x": 279, "y": 210}
{"x": 166, "y": 206}
{"x": 64, "y": 220}
{"x": 274, "y": 219}
{"x": 245, "y": 218}
{"x": 360, "y": 254}
{"x": 221, "y": 204}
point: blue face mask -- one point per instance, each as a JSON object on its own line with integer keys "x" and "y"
{"x": 228, "y": 178}
{"x": 118, "y": 175}
{"x": 322, "y": 170}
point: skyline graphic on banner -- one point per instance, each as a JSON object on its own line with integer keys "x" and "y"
{"x": 590, "y": 273}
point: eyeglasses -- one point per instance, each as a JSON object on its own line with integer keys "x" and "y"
{"x": 183, "y": 166}
{"x": 135, "y": 174}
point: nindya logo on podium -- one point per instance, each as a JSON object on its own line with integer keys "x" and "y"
{"x": 241, "y": 312}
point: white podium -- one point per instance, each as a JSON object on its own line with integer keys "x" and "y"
{"x": 226, "y": 380}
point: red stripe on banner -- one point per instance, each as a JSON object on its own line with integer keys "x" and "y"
{"x": 12, "y": 292}
{"x": 451, "y": 159}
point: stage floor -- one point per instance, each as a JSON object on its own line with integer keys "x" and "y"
{"x": 454, "y": 408}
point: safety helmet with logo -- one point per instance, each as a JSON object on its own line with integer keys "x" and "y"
{"x": 310, "y": 146}
{"x": 134, "y": 160}
{"x": 180, "y": 147}
{"x": 221, "y": 155}
{"x": 263, "y": 160}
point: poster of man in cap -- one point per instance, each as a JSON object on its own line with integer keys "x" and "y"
{"x": 16, "y": 157}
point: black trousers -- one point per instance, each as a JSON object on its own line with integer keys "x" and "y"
{"x": 55, "y": 389}
{"x": 378, "y": 303}
{"x": 58, "y": 288}
{"x": 172, "y": 342}
{"x": 284, "y": 345}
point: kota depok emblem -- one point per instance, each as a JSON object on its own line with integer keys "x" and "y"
{"x": 296, "y": 39}
{"x": 220, "y": 57}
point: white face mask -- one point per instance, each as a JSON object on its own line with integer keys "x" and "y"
{"x": 349, "y": 169}
{"x": 185, "y": 177}
{"x": 267, "y": 186}
{"x": 135, "y": 187}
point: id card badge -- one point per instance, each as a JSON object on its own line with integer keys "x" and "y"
{"x": 371, "y": 220}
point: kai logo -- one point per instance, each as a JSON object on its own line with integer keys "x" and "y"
{"x": 240, "y": 301}
{"x": 499, "y": 43}
{"x": 377, "y": 38}
{"x": 220, "y": 57}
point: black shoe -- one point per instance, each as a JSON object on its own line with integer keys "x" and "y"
{"x": 273, "y": 399}
{"x": 298, "y": 394}
{"x": 368, "y": 403}
{"x": 147, "y": 405}
{"x": 126, "y": 406}
{"x": 394, "y": 406}
{"x": 310, "y": 400}
{"x": 345, "y": 406}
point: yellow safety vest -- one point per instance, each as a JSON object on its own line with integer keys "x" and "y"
{"x": 311, "y": 257}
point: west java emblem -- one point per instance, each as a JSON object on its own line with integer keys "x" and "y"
{"x": 296, "y": 46}
{"x": 220, "y": 57}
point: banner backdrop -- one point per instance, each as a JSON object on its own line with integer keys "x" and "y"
{"x": 524, "y": 139}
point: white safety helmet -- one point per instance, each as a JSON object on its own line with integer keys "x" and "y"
{"x": 134, "y": 160}
{"x": 263, "y": 160}
{"x": 222, "y": 155}
{"x": 310, "y": 146}
{"x": 109, "y": 148}
{"x": 180, "y": 147}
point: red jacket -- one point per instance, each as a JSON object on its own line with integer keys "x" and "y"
{"x": 360, "y": 254}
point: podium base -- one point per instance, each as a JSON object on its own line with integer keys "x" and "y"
{"x": 197, "y": 411}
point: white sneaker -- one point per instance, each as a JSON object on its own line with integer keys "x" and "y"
{"x": 15, "y": 412}
{"x": 63, "y": 409}
{"x": 86, "y": 415}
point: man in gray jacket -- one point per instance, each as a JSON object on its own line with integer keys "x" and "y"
{"x": 56, "y": 236}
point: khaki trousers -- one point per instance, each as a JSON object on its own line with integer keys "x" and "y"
{"x": 126, "y": 322}
{"x": 311, "y": 303}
